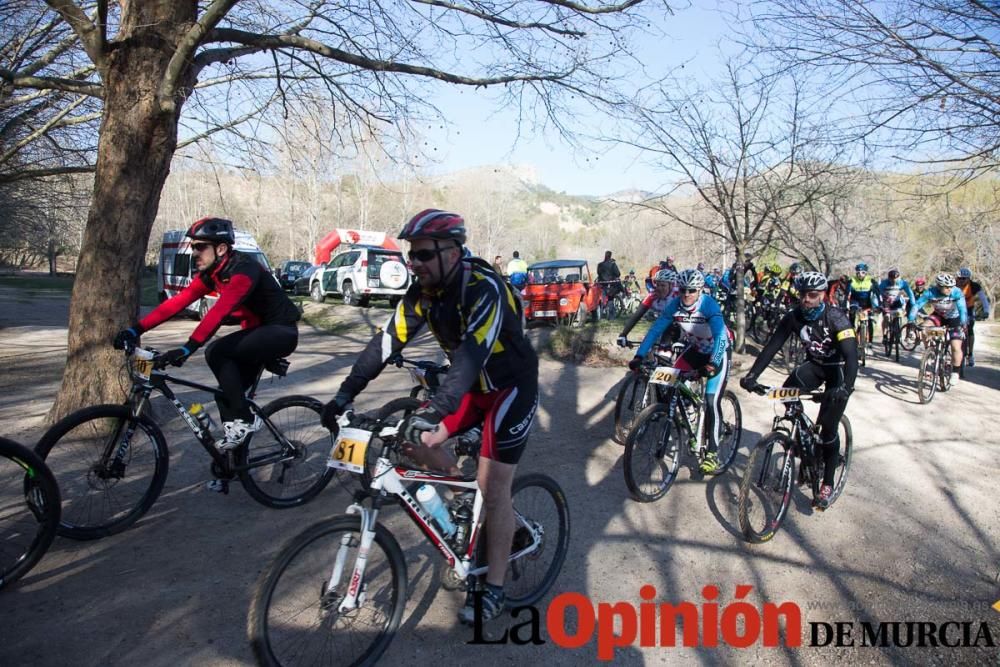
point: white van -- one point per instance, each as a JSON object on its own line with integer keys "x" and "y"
{"x": 175, "y": 268}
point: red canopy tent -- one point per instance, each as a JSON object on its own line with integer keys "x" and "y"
{"x": 331, "y": 241}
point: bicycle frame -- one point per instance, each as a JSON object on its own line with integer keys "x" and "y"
{"x": 159, "y": 380}
{"x": 389, "y": 479}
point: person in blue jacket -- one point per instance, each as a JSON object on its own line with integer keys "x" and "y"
{"x": 703, "y": 331}
{"x": 949, "y": 311}
{"x": 895, "y": 294}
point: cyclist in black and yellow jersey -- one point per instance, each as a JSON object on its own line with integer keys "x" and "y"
{"x": 493, "y": 377}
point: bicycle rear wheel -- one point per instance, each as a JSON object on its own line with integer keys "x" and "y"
{"x": 766, "y": 488}
{"x": 944, "y": 369}
{"x": 731, "y": 430}
{"x": 910, "y": 337}
{"x": 846, "y": 434}
{"x": 541, "y": 513}
{"x": 294, "y": 617}
{"x": 29, "y": 510}
{"x": 109, "y": 466}
{"x": 629, "y": 403}
{"x": 287, "y": 467}
{"x": 652, "y": 454}
{"x": 927, "y": 378}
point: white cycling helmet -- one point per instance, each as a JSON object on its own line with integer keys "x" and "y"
{"x": 811, "y": 281}
{"x": 665, "y": 276}
{"x": 944, "y": 280}
{"x": 691, "y": 279}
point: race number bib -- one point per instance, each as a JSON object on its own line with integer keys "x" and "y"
{"x": 784, "y": 394}
{"x": 143, "y": 367}
{"x": 348, "y": 451}
{"x": 665, "y": 375}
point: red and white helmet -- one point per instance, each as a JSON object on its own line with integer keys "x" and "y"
{"x": 436, "y": 224}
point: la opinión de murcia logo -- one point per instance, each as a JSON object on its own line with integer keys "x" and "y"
{"x": 738, "y": 624}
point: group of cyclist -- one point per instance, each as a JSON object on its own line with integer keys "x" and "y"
{"x": 468, "y": 307}
{"x": 475, "y": 316}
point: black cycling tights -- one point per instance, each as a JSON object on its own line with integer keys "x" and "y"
{"x": 808, "y": 377}
{"x": 237, "y": 358}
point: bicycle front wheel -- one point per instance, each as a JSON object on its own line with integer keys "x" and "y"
{"x": 766, "y": 488}
{"x": 295, "y": 618}
{"x": 629, "y": 403}
{"x": 730, "y": 430}
{"x": 541, "y": 520}
{"x": 110, "y": 468}
{"x": 286, "y": 467}
{"x": 652, "y": 454}
{"x": 29, "y": 510}
{"x": 927, "y": 378}
{"x": 863, "y": 343}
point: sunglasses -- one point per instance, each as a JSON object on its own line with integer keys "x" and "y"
{"x": 424, "y": 254}
{"x": 200, "y": 247}
{"x": 690, "y": 290}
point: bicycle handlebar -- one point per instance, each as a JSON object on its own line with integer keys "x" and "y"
{"x": 814, "y": 396}
{"x": 399, "y": 361}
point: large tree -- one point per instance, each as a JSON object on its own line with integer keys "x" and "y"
{"x": 142, "y": 64}
{"x": 921, "y": 76}
{"x": 737, "y": 153}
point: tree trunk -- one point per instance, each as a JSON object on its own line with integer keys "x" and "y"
{"x": 135, "y": 148}
{"x": 53, "y": 253}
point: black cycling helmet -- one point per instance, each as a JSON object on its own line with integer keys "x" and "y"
{"x": 893, "y": 274}
{"x": 795, "y": 269}
{"x": 213, "y": 230}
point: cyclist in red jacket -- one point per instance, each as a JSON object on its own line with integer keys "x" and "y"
{"x": 248, "y": 292}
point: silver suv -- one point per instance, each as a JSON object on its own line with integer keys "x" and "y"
{"x": 361, "y": 273}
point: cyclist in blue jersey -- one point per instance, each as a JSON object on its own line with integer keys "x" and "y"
{"x": 702, "y": 329}
{"x": 949, "y": 311}
{"x": 863, "y": 295}
{"x": 895, "y": 295}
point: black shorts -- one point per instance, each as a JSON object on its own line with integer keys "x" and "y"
{"x": 506, "y": 415}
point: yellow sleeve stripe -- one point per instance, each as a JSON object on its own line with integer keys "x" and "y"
{"x": 484, "y": 331}
{"x": 498, "y": 347}
{"x": 401, "y": 331}
{"x": 846, "y": 333}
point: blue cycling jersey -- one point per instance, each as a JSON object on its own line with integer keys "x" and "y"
{"x": 896, "y": 293}
{"x": 701, "y": 325}
{"x": 947, "y": 305}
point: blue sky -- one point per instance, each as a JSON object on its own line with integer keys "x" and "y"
{"x": 479, "y": 134}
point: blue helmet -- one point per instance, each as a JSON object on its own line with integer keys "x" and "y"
{"x": 965, "y": 272}
{"x": 861, "y": 267}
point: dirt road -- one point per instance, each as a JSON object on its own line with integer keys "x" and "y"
{"x": 916, "y": 536}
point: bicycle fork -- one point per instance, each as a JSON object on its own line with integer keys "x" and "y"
{"x": 355, "y": 596}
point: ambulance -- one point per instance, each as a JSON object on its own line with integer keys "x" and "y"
{"x": 176, "y": 267}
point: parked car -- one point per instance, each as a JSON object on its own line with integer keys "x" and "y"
{"x": 361, "y": 273}
{"x": 289, "y": 272}
{"x": 301, "y": 284}
{"x": 562, "y": 291}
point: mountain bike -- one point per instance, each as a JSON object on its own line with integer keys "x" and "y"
{"x": 767, "y": 484}
{"x": 935, "y": 365}
{"x": 893, "y": 335}
{"x": 335, "y": 593}
{"x": 29, "y": 510}
{"x": 111, "y": 461}
{"x": 672, "y": 424}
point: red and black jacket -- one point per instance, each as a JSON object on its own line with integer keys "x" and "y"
{"x": 246, "y": 290}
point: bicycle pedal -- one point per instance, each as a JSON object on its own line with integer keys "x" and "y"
{"x": 218, "y": 486}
